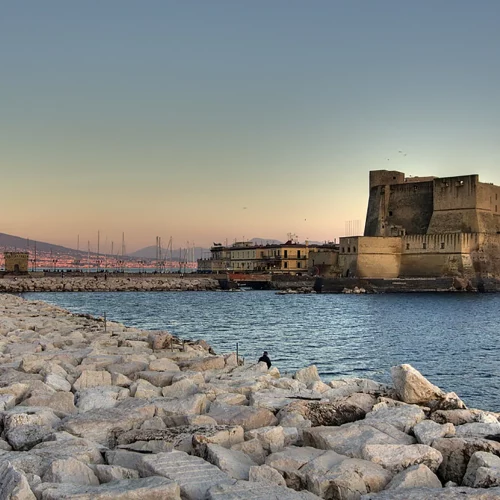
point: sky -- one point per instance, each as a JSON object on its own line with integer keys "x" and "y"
{"x": 215, "y": 120}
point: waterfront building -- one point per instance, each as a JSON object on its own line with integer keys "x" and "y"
{"x": 244, "y": 256}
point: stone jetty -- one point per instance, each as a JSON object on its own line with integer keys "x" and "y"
{"x": 106, "y": 283}
{"x": 119, "y": 413}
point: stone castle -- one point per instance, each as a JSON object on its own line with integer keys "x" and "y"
{"x": 426, "y": 227}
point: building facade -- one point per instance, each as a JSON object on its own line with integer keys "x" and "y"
{"x": 16, "y": 262}
{"x": 283, "y": 258}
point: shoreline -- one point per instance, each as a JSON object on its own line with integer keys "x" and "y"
{"x": 92, "y": 408}
{"x": 105, "y": 283}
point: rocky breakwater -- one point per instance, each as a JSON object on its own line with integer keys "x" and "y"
{"x": 104, "y": 283}
{"x": 128, "y": 414}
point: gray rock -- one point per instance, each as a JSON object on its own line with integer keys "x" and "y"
{"x": 402, "y": 417}
{"x": 334, "y": 476}
{"x": 307, "y": 375}
{"x": 483, "y": 471}
{"x": 92, "y": 378}
{"x": 477, "y": 429}
{"x": 399, "y": 457}
{"x": 108, "y": 473}
{"x": 412, "y": 387}
{"x": 194, "y": 475}
{"x": 350, "y": 439}
{"x": 253, "y": 449}
{"x": 234, "y": 463}
{"x": 435, "y": 494}
{"x": 70, "y": 470}
{"x": 244, "y": 490}
{"x": 102, "y": 425}
{"x": 272, "y": 438}
{"x": 13, "y": 483}
{"x": 24, "y": 437}
{"x": 416, "y": 476}
{"x": 456, "y": 454}
{"x": 266, "y": 474}
{"x": 246, "y": 416}
{"x": 150, "y": 488}
{"x": 428, "y": 430}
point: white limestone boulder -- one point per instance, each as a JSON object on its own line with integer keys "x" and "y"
{"x": 415, "y": 476}
{"x": 403, "y": 417}
{"x": 412, "y": 387}
{"x": 427, "y": 431}
{"x": 252, "y": 448}
{"x": 399, "y": 457}
{"x": 246, "y": 416}
{"x": 234, "y": 463}
{"x": 483, "y": 471}
{"x": 272, "y": 438}
{"x": 266, "y": 474}
{"x": 350, "y": 439}
{"x": 148, "y": 488}
{"x": 92, "y": 378}
{"x": 307, "y": 375}
{"x": 108, "y": 473}
{"x": 70, "y": 470}
{"x": 13, "y": 483}
{"x": 143, "y": 389}
{"x": 194, "y": 475}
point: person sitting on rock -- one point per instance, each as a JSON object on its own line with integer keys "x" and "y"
{"x": 265, "y": 359}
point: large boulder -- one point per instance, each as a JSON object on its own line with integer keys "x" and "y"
{"x": 415, "y": 476}
{"x": 246, "y": 416}
{"x": 148, "y": 488}
{"x": 13, "y": 483}
{"x": 404, "y": 417}
{"x": 412, "y": 387}
{"x": 194, "y": 475}
{"x": 483, "y": 471}
{"x": 350, "y": 439}
{"x": 307, "y": 375}
{"x": 70, "y": 470}
{"x": 234, "y": 463}
{"x": 399, "y": 457}
{"x": 428, "y": 430}
{"x": 456, "y": 454}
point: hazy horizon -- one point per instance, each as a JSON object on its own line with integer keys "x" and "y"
{"x": 208, "y": 121}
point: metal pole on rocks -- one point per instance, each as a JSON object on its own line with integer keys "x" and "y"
{"x": 105, "y": 324}
{"x": 237, "y": 357}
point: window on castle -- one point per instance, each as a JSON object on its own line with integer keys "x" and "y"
{"x": 298, "y": 264}
{"x": 349, "y": 249}
{"x": 390, "y": 213}
{"x": 442, "y": 245}
{"x": 424, "y": 246}
{"x": 407, "y": 246}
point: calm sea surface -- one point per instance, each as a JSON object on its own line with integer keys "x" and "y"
{"x": 453, "y": 339}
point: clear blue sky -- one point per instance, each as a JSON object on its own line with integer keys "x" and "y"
{"x": 207, "y": 120}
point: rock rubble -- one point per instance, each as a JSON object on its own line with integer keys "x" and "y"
{"x": 105, "y": 283}
{"x": 120, "y": 413}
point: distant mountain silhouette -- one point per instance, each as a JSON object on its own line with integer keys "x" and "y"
{"x": 16, "y": 242}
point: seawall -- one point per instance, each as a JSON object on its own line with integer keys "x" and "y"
{"x": 104, "y": 283}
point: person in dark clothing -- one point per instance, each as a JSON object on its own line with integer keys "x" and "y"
{"x": 265, "y": 358}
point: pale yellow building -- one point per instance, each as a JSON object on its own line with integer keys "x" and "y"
{"x": 16, "y": 262}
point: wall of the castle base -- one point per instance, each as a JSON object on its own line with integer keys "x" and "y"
{"x": 464, "y": 221}
{"x": 421, "y": 256}
{"x": 364, "y": 256}
{"x": 484, "y": 258}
